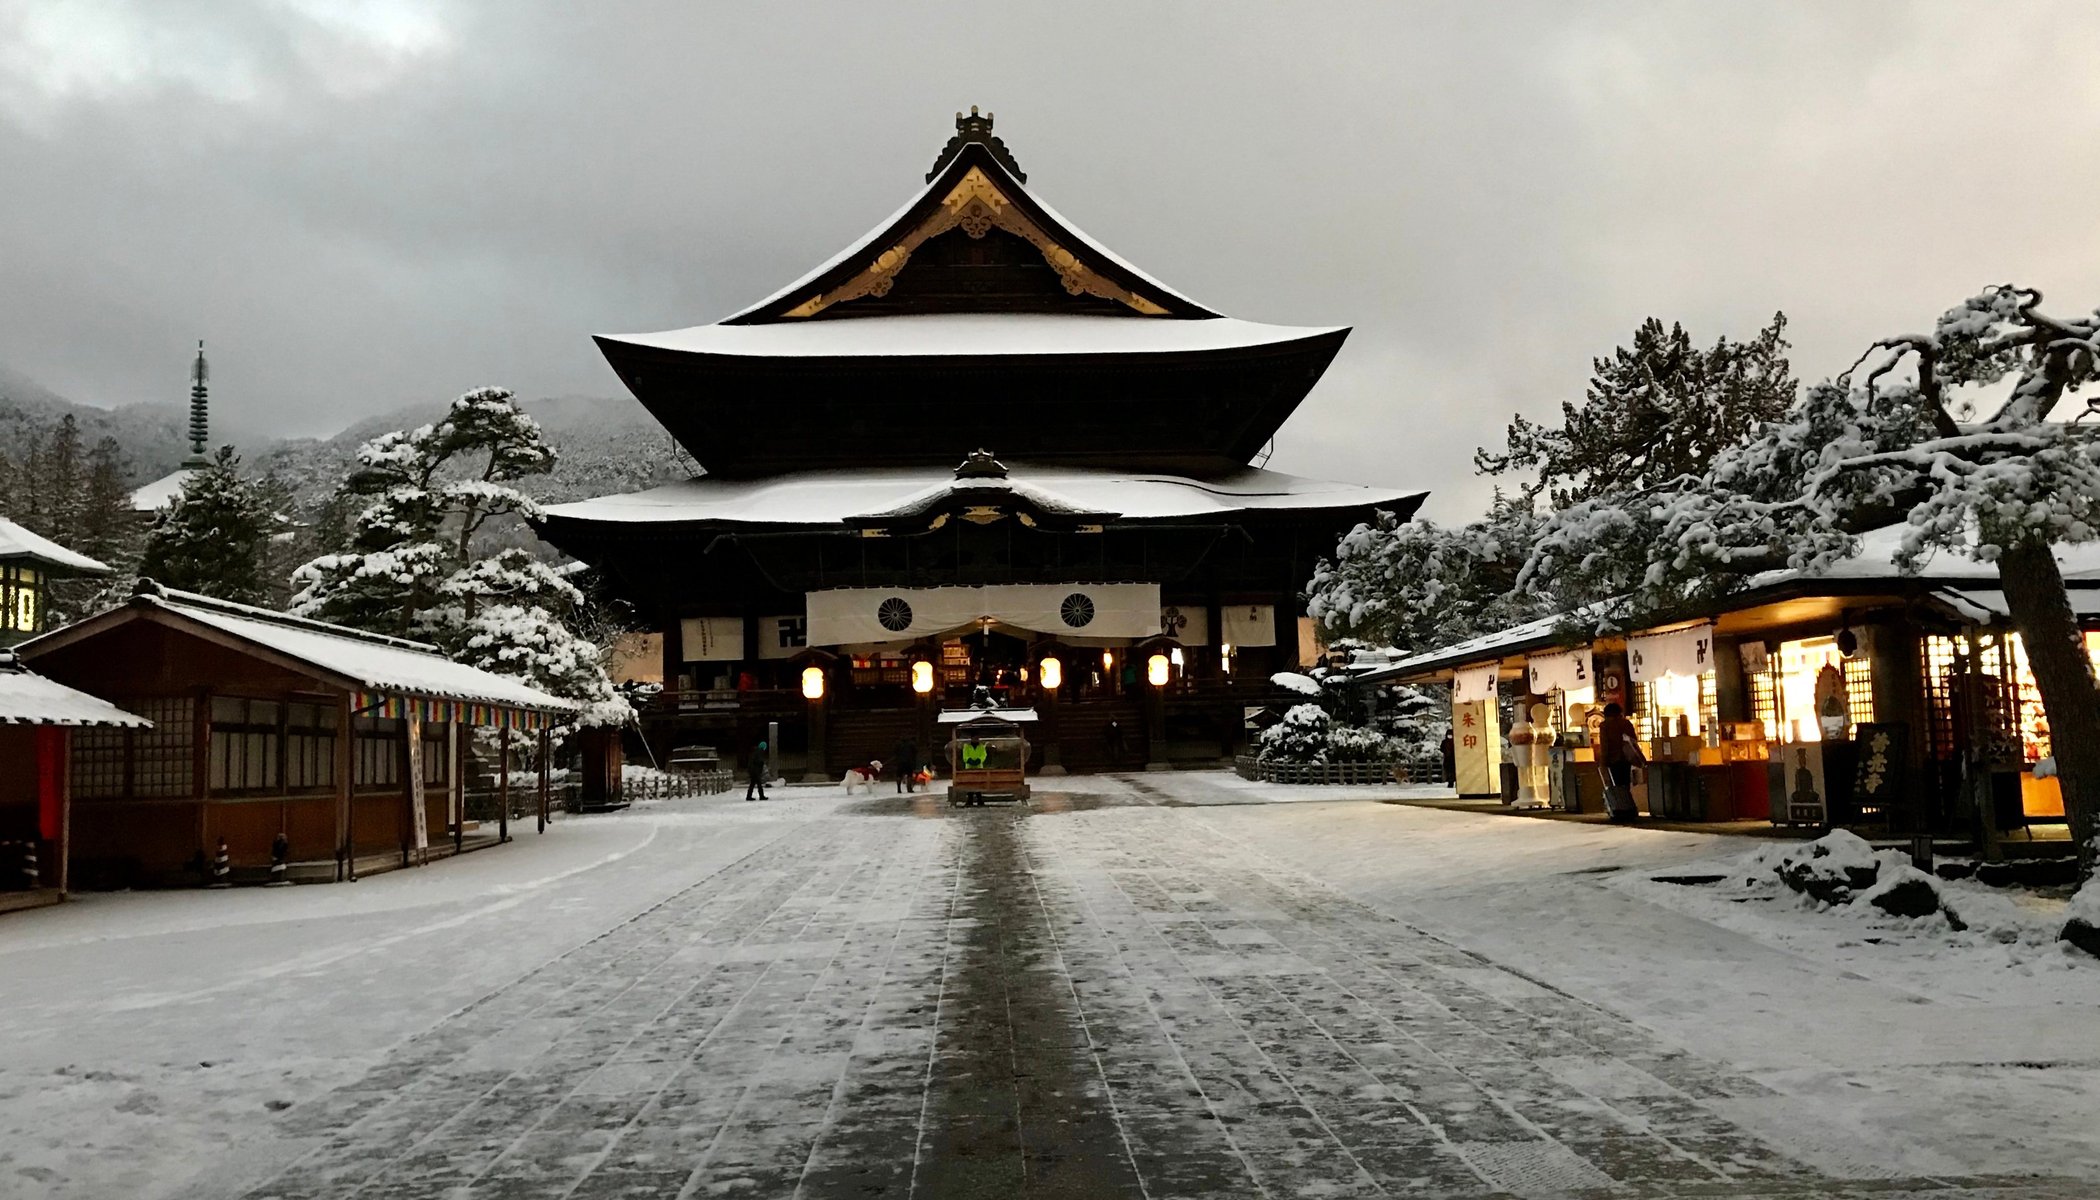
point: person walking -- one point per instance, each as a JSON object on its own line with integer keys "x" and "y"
{"x": 906, "y": 756}
{"x": 756, "y": 768}
{"x": 1619, "y": 752}
{"x": 1116, "y": 748}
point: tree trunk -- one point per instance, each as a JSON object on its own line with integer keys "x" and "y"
{"x": 2041, "y": 611}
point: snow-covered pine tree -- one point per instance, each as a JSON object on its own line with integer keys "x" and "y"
{"x": 1897, "y": 437}
{"x": 1653, "y": 412}
{"x": 211, "y": 538}
{"x": 1416, "y": 584}
{"x": 414, "y": 566}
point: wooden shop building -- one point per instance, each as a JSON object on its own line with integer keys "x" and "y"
{"x": 277, "y": 746}
{"x": 974, "y": 448}
{"x": 1861, "y": 696}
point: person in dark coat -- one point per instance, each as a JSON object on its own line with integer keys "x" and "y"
{"x": 1619, "y": 751}
{"x": 1116, "y": 748}
{"x": 1450, "y": 752}
{"x": 757, "y": 773}
{"x": 906, "y": 756}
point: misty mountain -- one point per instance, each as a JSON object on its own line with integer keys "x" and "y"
{"x": 604, "y": 445}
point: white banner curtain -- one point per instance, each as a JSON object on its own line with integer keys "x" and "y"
{"x": 782, "y": 637}
{"x": 1474, "y": 684}
{"x": 1568, "y": 670}
{"x": 711, "y": 639}
{"x": 1111, "y": 610}
{"x": 1651, "y": 656}
{"x": 1248, "y": 624}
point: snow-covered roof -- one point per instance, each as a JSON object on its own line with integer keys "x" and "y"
{"x": 963, "y": 716}
{"x": 1004, "y": 334}
{"x": 27, "y": 698}
{"x": 1876, "y": 560}
{"x": 832, "y": 497}
{"x": 19, "y": 544}
{"x": 368, "y": 661}
{"x": 1985, "y": 605}
{"x": 161, "y": 492}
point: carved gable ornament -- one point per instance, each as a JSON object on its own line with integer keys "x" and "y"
{"x": 977, "y": 206}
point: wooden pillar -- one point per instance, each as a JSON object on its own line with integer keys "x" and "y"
{"x": 1053, "y": 749}
{"x": 345, "y": 809}
{"x": 503, "y": 782}
{"x": 455, "y": 782}
{"x": 816, "y": 767}
{"x": 546, "y": 749}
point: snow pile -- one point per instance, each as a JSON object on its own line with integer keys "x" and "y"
{"x": 2082, "y": 920}
{"x": 1304, "y": 685}
{"x": 1830, "y": 869}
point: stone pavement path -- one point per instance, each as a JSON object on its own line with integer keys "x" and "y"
{"x": 1018, "y": 1002}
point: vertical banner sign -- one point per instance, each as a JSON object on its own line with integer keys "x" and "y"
{"x": 418, "y": 815}
{"x": 1476, "y": 743}
{"x": 455, "y": 803}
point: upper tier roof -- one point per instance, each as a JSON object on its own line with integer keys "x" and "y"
{"x": 835, "y": 498}
{"x": 975, "y": 312}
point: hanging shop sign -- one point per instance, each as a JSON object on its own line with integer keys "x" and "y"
{"x": 1248, "y": 624}
{"x": 711, "y": 639}
{"x": 1567, "y": 671}
{"x": 1474, "y": 684}
{"x": 1679, "y": 652}
{"x": 1113, "y": 610}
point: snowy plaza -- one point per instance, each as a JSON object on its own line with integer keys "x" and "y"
{"x": 1148, "y": 985}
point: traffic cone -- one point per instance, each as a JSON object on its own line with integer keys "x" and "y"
{"x": 222, "y": 867}
{"x": 280, "y": 854}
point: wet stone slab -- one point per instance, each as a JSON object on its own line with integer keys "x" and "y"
{"x": 1026, "y": 1002}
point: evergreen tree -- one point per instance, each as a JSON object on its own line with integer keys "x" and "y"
{"x": 212, "y": 537}
{"x": 1415, "y": 585}
{"x": 413, "y": 565}
{"x": 60, "y": 482}
{"x": 1653, "y": 413}
{"x": 107, "y": 530}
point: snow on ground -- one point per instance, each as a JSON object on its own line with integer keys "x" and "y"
{"x": 152, "y": 1039}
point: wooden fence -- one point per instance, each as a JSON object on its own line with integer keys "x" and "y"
{"x": 1422, "y": 769}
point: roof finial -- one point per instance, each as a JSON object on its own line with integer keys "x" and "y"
{"x": 200, "y": 417}
{"x": 976, "y": 128}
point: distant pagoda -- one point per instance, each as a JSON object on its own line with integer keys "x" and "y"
{"x": 162, "y": 492}
{"x": 1103, "y": 506}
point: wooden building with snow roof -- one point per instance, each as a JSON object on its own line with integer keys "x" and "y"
{"x": 38, "y": 720}
{"x": 351, "y": 747}
{"x": 974, "y": 447}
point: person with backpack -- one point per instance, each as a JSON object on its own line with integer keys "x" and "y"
{"x": 1618, "y": 753}
{"x": 757, "y": 771}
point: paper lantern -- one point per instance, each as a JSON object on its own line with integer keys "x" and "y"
{"x": 1156, "y": 670}
{"x": 922, "y": 677}
{"x": 813, "y": 682}
{"x": 1108, "y": 660}
{"x": 1053, "y": 674}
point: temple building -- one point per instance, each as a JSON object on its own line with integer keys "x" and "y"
{"x": 974, "y": 448}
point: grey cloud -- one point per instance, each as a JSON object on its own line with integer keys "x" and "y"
{"x": 360, "y": 215}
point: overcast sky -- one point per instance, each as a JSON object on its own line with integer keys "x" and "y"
{"x": 362, "y": 204}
